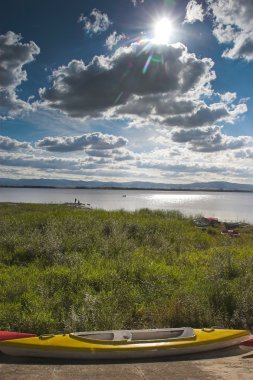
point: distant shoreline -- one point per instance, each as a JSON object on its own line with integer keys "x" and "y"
{"x": 126, "y": 188}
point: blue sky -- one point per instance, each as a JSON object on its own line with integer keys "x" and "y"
{"x": 147, "y": 90}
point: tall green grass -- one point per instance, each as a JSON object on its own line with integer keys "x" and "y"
{"x": 65, "y": 269}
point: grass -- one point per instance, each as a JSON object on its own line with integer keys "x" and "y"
{"x": 65, "y": 269}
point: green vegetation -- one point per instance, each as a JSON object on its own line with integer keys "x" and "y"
{"x": 66, "y": 269}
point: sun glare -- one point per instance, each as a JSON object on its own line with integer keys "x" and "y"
{"x": 162, "y": 31}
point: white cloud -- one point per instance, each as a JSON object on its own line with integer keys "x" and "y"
{"x": 13, "y": 56}
{"x": 94, "y": 162}
{"x": 136, "y": 2}
{"x": 51, "y": 163}
{"x": 244, "y": 154}
{"x": 8, "y": 144}
{"x": 194, "y": 12}
{"x": 96, "y": 23}
{"x": 228, "y": 97}
{"x": 233, "y": 23}
{"x": 113, "y": 39}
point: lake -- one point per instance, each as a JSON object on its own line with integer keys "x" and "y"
{"x": 225, "y": 206}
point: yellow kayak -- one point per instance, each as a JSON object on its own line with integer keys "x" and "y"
{"x": 124, "y": 343}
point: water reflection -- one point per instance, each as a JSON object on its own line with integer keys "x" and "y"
{"x": 176, "y": 198}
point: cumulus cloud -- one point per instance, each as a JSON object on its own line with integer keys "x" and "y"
{"x": 82, "y": 90}
{"x": 96, "y": 23}
{"x": 233, "y": 23}
{"x": 8, "y": 144}
{"x": 209, "y": 139}
{"x": 95, "y": 141}
{"x": 113, "y": 39}
{"x": 10, "y": 105}
{"x": 194, "y": 12}
{"x": 13, "y": 56}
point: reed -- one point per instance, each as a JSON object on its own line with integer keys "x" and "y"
{"x": 65, "y": 269}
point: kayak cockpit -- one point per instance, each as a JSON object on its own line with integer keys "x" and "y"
{"x": 135, "y": 336}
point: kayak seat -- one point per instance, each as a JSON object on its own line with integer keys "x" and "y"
{"x": 122, "y": 335}
{"x": 136, "y": 335}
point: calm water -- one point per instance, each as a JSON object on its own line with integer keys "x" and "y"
{"x": 225, "y": 206}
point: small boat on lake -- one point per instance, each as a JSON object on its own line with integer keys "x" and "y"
{"x": 206, "y": 222}
{"x": 124, "y": 344}
{"x": 231, "y": 225}
{"x": 230, "y": 232}
{"x": 213, "y": 221}
{"x": 201, "y": 223}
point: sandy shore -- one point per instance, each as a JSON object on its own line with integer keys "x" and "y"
{"x": 232, "y": 364}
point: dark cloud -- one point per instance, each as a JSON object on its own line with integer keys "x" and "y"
{"x": 95, "y": 141}
{"x": 157, "y": 105}
{"x": 80, "y": 90}
{"x": 115, "y": 155}
{"x": 203, "y": 116}
{"x": 209, "y": 139}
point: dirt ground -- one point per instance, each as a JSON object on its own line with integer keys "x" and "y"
{"x": 229, "y": 364}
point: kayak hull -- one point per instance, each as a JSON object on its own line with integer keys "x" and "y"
{"x": 230, "y": 232}
{"x": 7, "y": 335}
{"x": 100, "y": 355}
{"x": 247, "y": 345}
{"x": 71, "y": 346}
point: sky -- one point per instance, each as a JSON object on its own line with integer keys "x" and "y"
{"x": 127, "y": 90}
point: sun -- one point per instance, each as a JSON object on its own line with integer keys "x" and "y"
{"x": 162, "y": 31}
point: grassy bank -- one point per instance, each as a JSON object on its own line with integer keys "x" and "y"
{"x": 65, "y": 269}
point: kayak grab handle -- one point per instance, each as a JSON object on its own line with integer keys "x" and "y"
{"x": 46, "y": 336}
{"x": 210, "y": 329}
